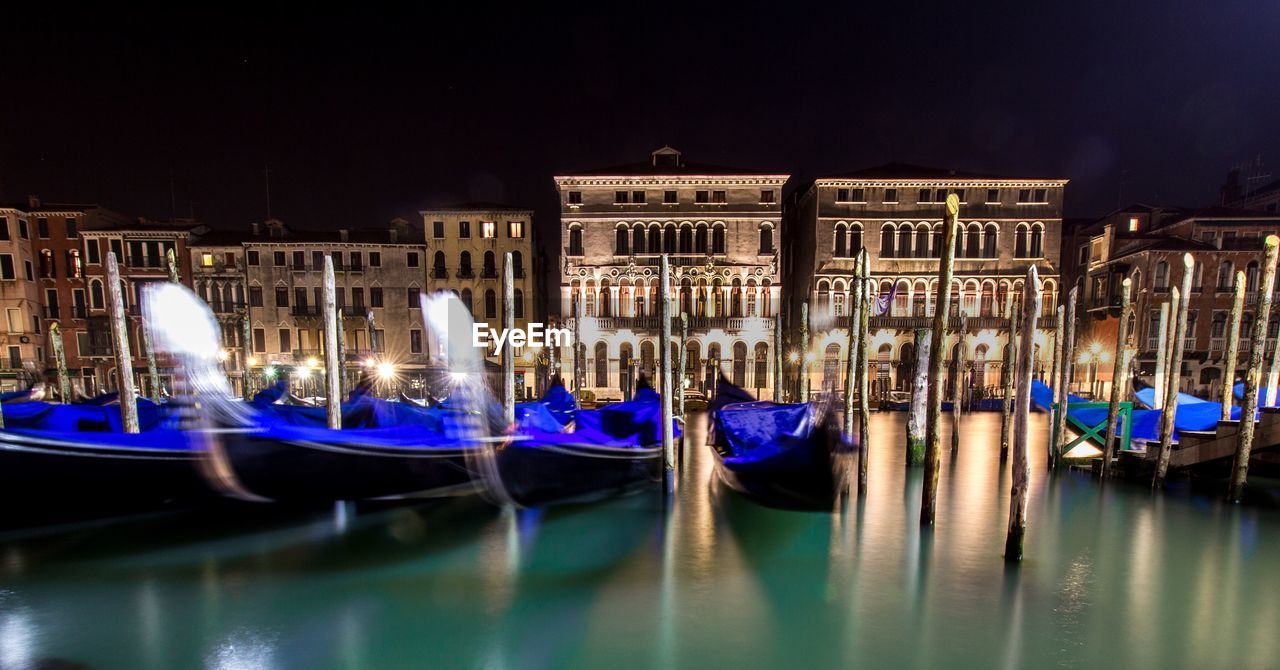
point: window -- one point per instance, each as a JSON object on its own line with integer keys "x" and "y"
{"x": 282, "y": 296}
{"x": 842, "y": 195}
{"x": 717, "y": 240}
{"x": 357, "y": 261}
{"x": 415, "y": 341}
{"x": 251, "y": 256}
{"x": 42, "y": 228}
{"x": 411, "y": 295}
{"x": 855, "y": 239}
{"x": 515, "y": 229}
{"x": 669, "y": 198}
{"x": 1037, "y": 241}
{"x": 490, "y": 304}
{"x": 718, "y": 197}
{"x": 1024, "y": 195}
{"x": 575, "y": 242}
{"x": 437, "y": 230}
{"x": 993, "y": 196}
{"x": 300, "y": 298}
{"x": 858, "y": 195}
{"x": 259, "y": 340}
{"x": 620, "y": 197}
{"x": 637, "y": 197}
{"x": 518, "y": 304}
{"x": 255, "y": 296}
{"x": 286, "y": 344}
{"x": 337, "y": 260}
{"x": 575, "y": 197}
{"x": 96, "y": 300}
{"x": 375, "y": 296}
{"x": 299, "y": 260}
{"x": 375, "y": 259}
{"x": 357, "y": 297}
{"x": 15, "y": 322}
{"x": 1133, "y": 224}
{"x": 4, "y": 227}
{"x": 31, "y": 275}
{"x": 412, "y": 259}
{"x": 767, "y": 197}
{"x": 71, "y": 229}
{"x": 317, "y": 260}
{"x": 1041, "y": 195}
{"x": 6, "y": 266}
{"x": 886, "y": 241}
{"x": 766, "y": 239}
{"x": 488, "y": 230}
{"x": 701, "y": 197}
{"x": 277, "y": 259}
{"x": 926, "y": 195}
{"x": 206, "y": 260}
{"x": 22, "y": 230}
{"x": 464, "y": 230}
{"x": 891, "y": 196}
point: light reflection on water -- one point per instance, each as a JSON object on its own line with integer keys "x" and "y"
{"x": 1113, "y": 577}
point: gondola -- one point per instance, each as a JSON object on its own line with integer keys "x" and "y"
{"x": 789, "y": 456}
{"x": 609, "y": 451}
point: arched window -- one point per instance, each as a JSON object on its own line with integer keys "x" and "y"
{"x": 490, "y": 304}
{"x": 824, "y": 297}
{"x": 972, "y": 241}
{"x": 735, "y": 298}
{"x": 717, "y": 240}
{"x": 1160, "y": 277}
{"x": 904, "y": 241}
{"x": 766, "y": 299}
{"x": 838, "y": 250}
{"x": 438, "y": 270}
{"x": 886, "y": 240}
{"x": 1225, "y": 276}
{"x": 602, "y": 364}
{"x": 700, "y": 240}
{"x": 987, "y": 306}
{"x": 669, "y": 238}
{"x": 47, "y": 268}
{"x": 1020, "y": 241}
{"x": 686, "y": 239}
{"x": 761, "y": 375}
{"x": 1251, "y": 276}
{"x": 647, "y": 358}
{"x": 575, "y": 241}
{"x": 655, "y": 239}
{"x": 519, "y": 304}
{"x": 739, "y": 364}
{"x": 637, "y": 239}
{"x": 1037, "y": 241}
{"x": 466, "y": 299}
{"x": 606, "y": 299}
{"x": 464, "y": 263}
{"x": 937, "y": 241}
{"x": 855, "y": 239}
{"x": 590, "y": 292}
{"x": 922, "y": 241}
{"x": 1218, "y": 329}
{"x": 517, "y": 264}
{"x": 691, "y": 361}
{"x": 96, "y": 300}
{"x": 620, "y": 242}
{"x": 989, "y": 241}
{"x": 490, "y": 267}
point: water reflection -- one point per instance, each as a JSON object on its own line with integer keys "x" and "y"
{"x": 1112, "y": 576}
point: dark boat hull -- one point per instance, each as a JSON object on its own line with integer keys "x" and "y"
{"x": 253, "y": 466}
{"x": 816, "y": 487}
{"x": 44, "y": 479}
{"x": 542, "y": 474}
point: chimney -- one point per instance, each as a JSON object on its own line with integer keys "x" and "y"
{"x": 33, "y": 202}
{"x": 256, "y": 230}
{"x": 342, "y": 234}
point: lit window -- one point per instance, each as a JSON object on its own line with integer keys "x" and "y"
{"x": 488, "y": 230}
{"x": 206, "y": 260}
{"x": 1133, "y": 224}
{"x": 515, "y": 229}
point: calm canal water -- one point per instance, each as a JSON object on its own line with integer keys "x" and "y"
{"x": 1114, "y": 577}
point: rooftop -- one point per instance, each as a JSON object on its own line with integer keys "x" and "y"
{"x": 666, "y": 162}
{"x": 896, "y": 170}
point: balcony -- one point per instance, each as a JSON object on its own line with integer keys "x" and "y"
{"x": 439, "y": 273}
{"x": 465, "y": 273}
{"x": 489, "y": 273}
{"x": 315, "y": 312}
{"x": 926, "y": 322}
{"x": 654, "y": 323}
{"x": 52, "y": 313}
{"x": 231, "y": 307}
{"x": 146, "y": 261}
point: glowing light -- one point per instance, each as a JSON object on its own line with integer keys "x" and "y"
{"x": 810, "y": 357}
{"x": 302, "y": 373}
{"x": 1083, "y": 450}
{"x": 793, "y": 357}
{"x": 252, "y": 360}
{"x": 269, "y": 371}
{"x": 312, "y": 362}
{"x": 223, "y": 355}
{"x": 1085, "y": 358}
{"x": 1104, "y": 356}
{"x": 386, "y": 370}
{"x": 1095, "y": 348}
{"x": 527, "y": 356}
{"x": 370, "y": 362}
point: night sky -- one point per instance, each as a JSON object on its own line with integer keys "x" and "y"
{"x": 369, "y": 115}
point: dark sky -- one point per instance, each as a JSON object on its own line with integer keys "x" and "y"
{"x": 371, "y": 114}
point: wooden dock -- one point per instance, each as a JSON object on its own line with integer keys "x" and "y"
{"x": 1194, "y": 448}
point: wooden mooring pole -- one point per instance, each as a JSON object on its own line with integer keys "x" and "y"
{"x": 246, "y": 353}
{"x": 957, "y": 384}
{"x": 1232, "y": 355}
{"x": 778, "y": 355}
{"x": 933, "y": 438}
{"x": 120, "y": 340}
{"x": 1257, "y": 348}
{"x": 171, "y": 264}
{"x": 508, "y": 352}
{"x": 332, "y": 373}
{"x": 1006, "y": 378}
{"x": 804, "y": 352}
{"x": 1031, "y": 301}
{"x": 1273, "y": 379}
{"x": 1118, "y": 371}
{"x": 684, "y": 361}
{"x": 579, "y": 353}
{"x": 1162, "y": 353}
{"x": 1176, "y": 349}
{"x": 1055, "y": 378}
{"x": 1066, "y": 371}
{"x": 664, "y": 355}
{"x": 916, "y": 415}
{"x": 867, "y": 288}
{"x": 60, "y": 360}
{"x": 851, "y": 379}
{"x": 153, "y": 372}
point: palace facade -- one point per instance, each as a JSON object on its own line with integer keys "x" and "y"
{"x": 895, "y": 213}
{"x": 721, "y": 228}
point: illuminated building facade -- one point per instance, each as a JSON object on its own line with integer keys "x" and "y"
{"x": 721, "y": 228}
{"x": 895, "y": 212}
